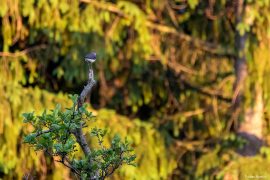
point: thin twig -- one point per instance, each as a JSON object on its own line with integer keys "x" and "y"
{"x": 68, "y": 165}
{"x": 43, "y": 132}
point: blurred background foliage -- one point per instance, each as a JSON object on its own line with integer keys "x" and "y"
{"x": 166, "y": 76}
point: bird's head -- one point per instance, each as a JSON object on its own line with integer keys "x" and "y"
{"x": 91, "y": 57}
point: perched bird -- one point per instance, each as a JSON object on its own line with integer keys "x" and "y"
{"x": 91, "y": 57}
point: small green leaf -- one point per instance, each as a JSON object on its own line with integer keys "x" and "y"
{"x": 57, "y": 109}
{"x": 28, "y": 117}
{"x": 58, "y": 147}
{"x": 116, "y": 139}
{"x": 55, "y": 126}
{"x": 30, "y": 138}
{"x": 74, "y": 98}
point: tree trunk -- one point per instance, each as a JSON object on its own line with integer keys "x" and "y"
{"x": 240, "y": 64}
{"x": 251, "y": 128}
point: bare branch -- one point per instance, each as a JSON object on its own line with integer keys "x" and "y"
{"x": 86, "y": 90}
{"x": 78, "y": 133}
{"x": 207, "y": 92}
{"x": 23, "y": 52}
{"x": 197, "y": 43}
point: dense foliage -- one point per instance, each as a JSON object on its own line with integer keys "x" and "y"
{"x": 168, "y": 66}
{"x": 53, "y": 134}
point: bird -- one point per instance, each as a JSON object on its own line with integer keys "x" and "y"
{"x": 90, "y": 57}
